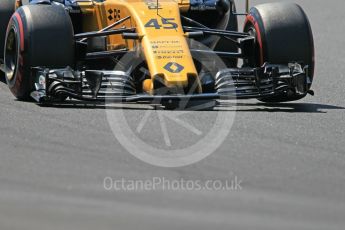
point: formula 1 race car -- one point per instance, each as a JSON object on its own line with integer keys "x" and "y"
{"x": 149, "y": 50}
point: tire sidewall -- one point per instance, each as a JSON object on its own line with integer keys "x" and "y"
{"x": 19, "y": 84}
{"x": 8, "y": 8}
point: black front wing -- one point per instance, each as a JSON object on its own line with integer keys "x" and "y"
{"x": 117, "y": 86}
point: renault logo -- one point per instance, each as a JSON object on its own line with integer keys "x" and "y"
{"x": 173, "y": 67}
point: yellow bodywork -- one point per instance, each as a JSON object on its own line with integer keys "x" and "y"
{"x": 162, "y": 41}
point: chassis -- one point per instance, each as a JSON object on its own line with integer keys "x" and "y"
{"x": 110, "y": 42}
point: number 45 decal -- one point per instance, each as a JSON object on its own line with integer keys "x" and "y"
{"x": 167, "y": 23}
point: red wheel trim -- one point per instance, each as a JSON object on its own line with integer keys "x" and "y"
{"x": 21, "y": 30}
{"x": 252, "y": 20}
{"x": 16, "y": 87}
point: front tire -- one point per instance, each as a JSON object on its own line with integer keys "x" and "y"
{"x": 37, "y": 35}
{"x": 283, "y": 35}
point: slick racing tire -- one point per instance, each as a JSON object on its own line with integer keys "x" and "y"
{"x": 37, "y": 35}
{"x": 223, "y": 43}
{"x": 7, "y": 8}
{"x": 283, "y": 35}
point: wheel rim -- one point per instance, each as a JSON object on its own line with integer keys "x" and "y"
{"x": 11, "y": 53}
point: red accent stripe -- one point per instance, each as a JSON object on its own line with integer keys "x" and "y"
{"x": 21, "y": 30}
{"x": 252, "y": 20}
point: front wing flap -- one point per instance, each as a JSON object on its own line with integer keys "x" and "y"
{"x": 118, "y": 86}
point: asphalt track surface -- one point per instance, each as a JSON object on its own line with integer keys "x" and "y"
{"x": 290, "y": 157}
